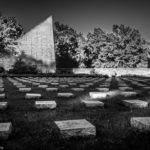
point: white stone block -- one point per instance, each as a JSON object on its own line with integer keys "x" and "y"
{"x": 92, "y": 103}
{"x": 54, "y": 83}
{"x": 1, "y": 89}
{"x": 135, "y": 103}
{"x": 77, "y": 89}
{"x": 32, "y": 96}
{"x": 3, "y": 105}
{"x": 45, "y": 104}
{"x": 141, "y": 123}
{"x": 65, "y": 95}
{"x": 43, "y": 86}
{"x": 35, "y": 83}
{"x": 128, "y": 94}
{"x": 98, "y": 95}
{"x": 51, "y": 89}
{"x": 103, "y": 89}
{"x": 125, "y": 88}
{"x": 75, "y": 128}
{"x": 2, "y": 96}
{"x": 63, "y": 86}
{"x": 24, "y": 89}
{"x": 5, "y": 130}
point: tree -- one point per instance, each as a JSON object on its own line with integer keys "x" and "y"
{"x": 10, "y": 31}
{"x": 65, "y": 45}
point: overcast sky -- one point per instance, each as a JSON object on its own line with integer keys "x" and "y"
{"x": 82, "y": 15}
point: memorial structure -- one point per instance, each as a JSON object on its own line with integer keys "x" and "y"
{"x": 36, "y": 48}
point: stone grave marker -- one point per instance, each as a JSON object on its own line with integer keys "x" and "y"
{"x": 43, "y": 86}
{"x": 103, "y": 89}
{"x": 75, "y": 128}
{"x": 1, "y": 89}
{"x": 141, "y": 123}
{"x": 91, "y": 103}
{"x": 77, "y": 89}
{"x": 45, "y": 104}
{"x": 24, "y": 89}
{"x": 135, "y": 103}
{"x": 65, "y": 95}
{"x": 32, "y": 96}
{"x": 52, "y": 89}
{"x": 3, "y": 105}
{"x": 5, "y": 130}
{"x": 2, "y": 96}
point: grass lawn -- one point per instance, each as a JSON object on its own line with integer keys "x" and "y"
{"x": 35, "y": 129}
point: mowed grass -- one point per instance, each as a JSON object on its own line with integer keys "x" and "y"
{"x": 35, "y": 129}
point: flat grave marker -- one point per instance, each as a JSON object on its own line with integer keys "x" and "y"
{"x": 52, "y": 89}
{"x": 65, "y": 95}
{"x": 5, "y": 130}
{"x": 3, "y": 105}
{"x": 32, "y": 96}
{"x": 77, "y": 89}
{"x": 91, "y": 103}
{"x": 75, "y": 128}
{"x": 45, "y": 104}
{"x": 24, "y": 89}
{"x": 135, "y": 103}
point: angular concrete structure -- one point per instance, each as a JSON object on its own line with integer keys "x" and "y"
{"x": 36, "y": 48}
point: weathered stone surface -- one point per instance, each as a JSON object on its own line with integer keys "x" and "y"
{"x": 77, "y": 89}
{"x": 103, "y": 89}
{"x": 92, "y": 103}
{"x": 98, "y": 95}
{"x": 3, "y": 105}
{"x": 20, "y": 86}
{"x": 63, "y": 86}
{"x": 35, "y": 83}
{"x": 32, "y": 96}
{"x": 125, "y": 88}
{"x": 2, "y": 96}
{"x": 74, "y": 128}
{"x": 74, "y": 84}
{"x": 24, "y": 89}
{"x": 54, "y": 83}
{"x": 142, "y": 123}
{"x": 84, "y": 86}
{"x": 45, "y": 104}
{"x": 128, "y": 94}
{"x": 5, "y": 130}
{"x": 135, "y": 103}
{"x": 1, "y": 89}
{"x": 65, "y": 95}
{"x": 52, "y": 89}
{"x": 43, "y": 86}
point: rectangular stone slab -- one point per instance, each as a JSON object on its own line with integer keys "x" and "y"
{"x": 65, "y": 95}
{"x": 20, "y": 86}
{"x": 51, "y": 89}
{"x": 1, "y": 89}
{"x": 128, "y": 94}
{"x": 32, "y": 96}
{"x": 93, "y": 103}
{"x": 2, "y": 96}
{"x": 75, "y": 128}
{"x": 84, "y": 86}
{"x": 125, "y": 88}
{"x": 63, "y": 86}
{"x": 73, "y": 84}
{"x": 45, "y": 104}
{"x": 98, "y": 95}
{"x": 54, "y": 83}
{"x": 3, "y": 105}
{"x": 142, "y": 123}
{"x": 5, "y": 130}
{"x": 43, "y": 86}
{"x": 77, "y": 89}
{"x": 35, "y": 83}
{"x": 135, "y": 103}
{"x": 103, "y": 89}
{"x": 24, "y": 89}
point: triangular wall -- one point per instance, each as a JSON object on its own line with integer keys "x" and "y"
{"x": 38, "y": 46}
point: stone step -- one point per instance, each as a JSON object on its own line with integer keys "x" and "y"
{"x": 75, "y": 128}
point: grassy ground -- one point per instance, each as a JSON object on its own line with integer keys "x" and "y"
{"x": 35, "y": 129}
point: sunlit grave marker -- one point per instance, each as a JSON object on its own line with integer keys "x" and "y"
{"x": 75, "y": 128}
{"x": 65, "y": 95}
{"x": 45, "y": 104}
{"x": 77, "y": 89}
{"x": 3, "y": 105}
{"x": 2, "y": 96}
{"x": 135, "y": 103}
{"x": 5, "y": 130}
{"x": 43, "y": 86}
{"x": 141, "y": 123}
{"x": 32, "y": 96}
{"x": 52, "y": 89}
{"x": 91, "y": 103}
{"x": 24, "y": 89}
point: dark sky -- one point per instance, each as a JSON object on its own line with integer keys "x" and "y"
{"x": 82, "y": 15}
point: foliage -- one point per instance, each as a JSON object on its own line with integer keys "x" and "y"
{"x": 21, "y": 67}
{"x": 10, "y": 31}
